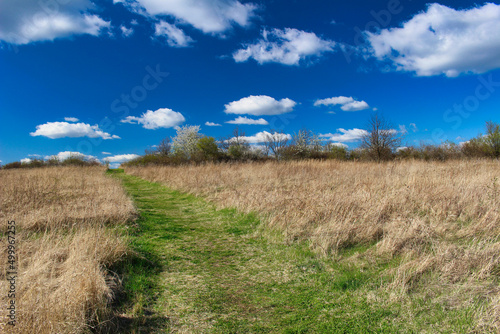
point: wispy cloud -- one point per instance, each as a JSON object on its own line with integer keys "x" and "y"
{"x": 345, "y": 136}
{"x": 346, "y": 103}
{"x": 248, "y": 121}
{"x": 288, "y": 47}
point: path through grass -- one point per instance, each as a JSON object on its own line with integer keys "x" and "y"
{"x": 218, "y": 271}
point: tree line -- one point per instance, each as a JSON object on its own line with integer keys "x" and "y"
{"x": 381, "y": 142}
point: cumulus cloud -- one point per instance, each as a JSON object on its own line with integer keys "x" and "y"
{"x": 260, "y": 105}
{"x": 346, "y": 103}
{"x": 341, "y": 145}
{"x": 161, "y": 118}
{"x": 121, "y": 158}
{"x": 175, "y": 37}
{"x": 345, "y": 136}
{"x": 288, "y": 47}
{"x": 261, "y": 137}
{"x": 443, "y": 40}
{"x": 212, "y": 124}
{"x": 54, "y": 130}
{"x": 209, "y": 16}
{"x": 26, "y": 160}
{"x": 71, "y": 119}
{"x": 248, "y": 121}
{"x": 61, "y": 156}
{"x": 26, "y": 21}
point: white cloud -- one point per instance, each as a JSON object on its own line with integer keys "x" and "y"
{"x": 341, "y": 145}
{"x": 443, "y": 40}
{"x": 346, "y": 103}
{"x": 26, "y": 160}
{"x": 71, "y": 119}
{"x": 261, "y": 137}
{"x": 161, "y": 118}
{"x": 175, "y": 37}
{"x": 248, "y": 121}
{"x": 26, "y": 21}
{"x": 260, "y": 105}
{"x": 106, "y": 153}
{"x": 54, "y": 130}
{"x": 61, "y": 156}
{"x": 413, "y": 127}
{"x": 209, "y": 16}
{"x": 121, "y": 158}
{"x": 126, "y": 32}
{"x": 402, "y": 129}
{"x": 212, "y": 124}
{"x": 288, "y": 47}
{"x": 345, "y": 136}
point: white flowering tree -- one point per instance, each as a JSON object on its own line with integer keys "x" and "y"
{"x": 185, "y": 142}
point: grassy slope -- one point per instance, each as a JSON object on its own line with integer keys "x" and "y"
{"x": 221, "y": 272}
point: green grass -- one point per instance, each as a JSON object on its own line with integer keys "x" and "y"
{"x": 203, "y": 270}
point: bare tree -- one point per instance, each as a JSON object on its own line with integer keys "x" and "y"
{"x": 381, "y": 139}
{"x": 275, "y": 142}
{"x": 492, "y": 138}
{"x": 164, "y": 147}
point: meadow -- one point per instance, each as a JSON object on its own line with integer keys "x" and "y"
{"x": 432, "y": 227}
{"x": 68, "y": 222}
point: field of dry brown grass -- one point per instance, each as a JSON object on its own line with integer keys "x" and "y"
{"x": 63, "y": 245}
{"x": 440, "y": 222}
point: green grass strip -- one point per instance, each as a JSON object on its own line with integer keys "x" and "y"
{"x": 203, "y": 270}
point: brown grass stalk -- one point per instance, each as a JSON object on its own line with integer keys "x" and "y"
{"x": 441, "y": 219}
{"x": 63, "y": 246}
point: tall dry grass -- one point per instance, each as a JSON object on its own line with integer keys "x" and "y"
{"x": 64, "y": 246}
{"x": 441, "y": 219}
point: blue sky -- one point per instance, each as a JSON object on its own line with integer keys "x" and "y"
{"x": 111, "y": 78}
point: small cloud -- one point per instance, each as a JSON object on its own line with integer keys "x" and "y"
{"x": 61, "y": 156}
{"x": 175, "y": 36}
{"x": 346, "y": 103}
{"x": 402, "y": 129}
{"x": 345, "y": 136}
{"x": 71, "y": 119}
{"x": 54, "y": 130}
{"x": 263, "y": 136}
{"x": 106, "y": 153}
{"x": 121, "y": 158}
{"x": 212, "y": 124}
{"x": 413, "y": 127}
{"x": 126, "y": 32}
{"x": 161, "y": 118}
{"x": 26, "y": 160}
{"x": 260, "y": 105}
{"x": 248, "y": 121}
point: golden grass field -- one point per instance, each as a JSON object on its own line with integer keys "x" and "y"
{"x": 440, "y": 222}
{"x": 64, "y": 245}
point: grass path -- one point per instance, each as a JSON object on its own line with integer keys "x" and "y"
{"x": 218, "y": 271}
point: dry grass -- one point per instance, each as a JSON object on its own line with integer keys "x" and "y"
{"x": 442, "y": 220}
{"x": 63, "y": 246}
